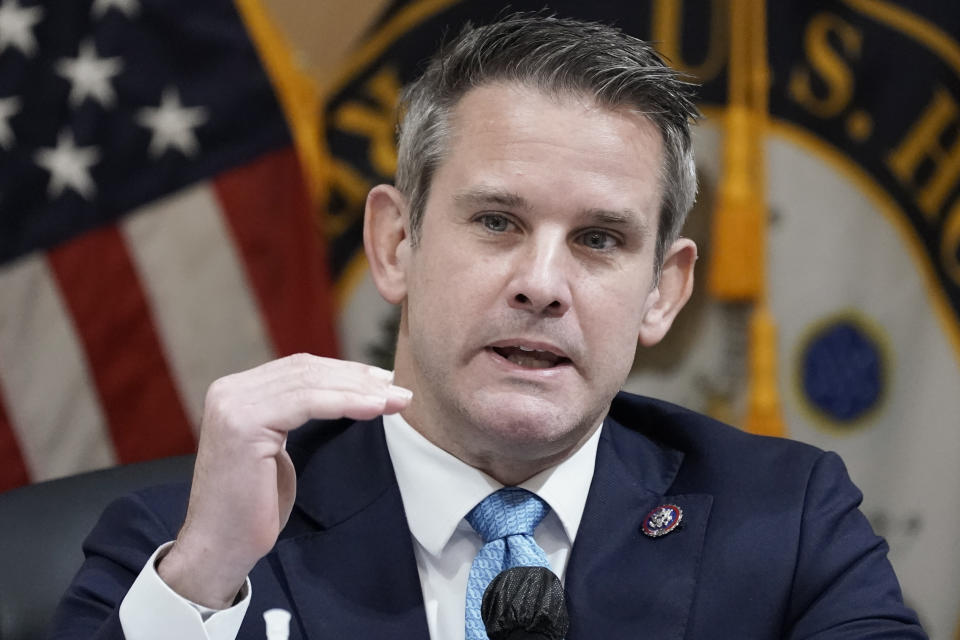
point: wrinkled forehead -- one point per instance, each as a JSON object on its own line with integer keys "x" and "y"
{"x": 647, "y": 134}
{"x": 502, "y": 120}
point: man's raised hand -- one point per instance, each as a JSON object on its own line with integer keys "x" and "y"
{"x": 244, "y": 483}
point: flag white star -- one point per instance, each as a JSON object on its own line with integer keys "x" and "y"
{"x": 128, "y": 7}
{"x": 16, "y": 26}
{"x": 172, "y": 124}
{"x": 69, "y": 166}
{"x": 8, "y": 108}
{"x": 90, "y": 75}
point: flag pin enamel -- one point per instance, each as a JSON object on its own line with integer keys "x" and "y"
{"x": 662, "y": 520}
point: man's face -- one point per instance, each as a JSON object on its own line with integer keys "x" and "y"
{"x": 527, "y": 290}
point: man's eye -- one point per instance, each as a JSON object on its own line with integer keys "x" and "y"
{"x": 597, "y": 239}
{"x": 495, "y": 222}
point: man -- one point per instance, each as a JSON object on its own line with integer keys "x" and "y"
{"x": 545, "y": 169}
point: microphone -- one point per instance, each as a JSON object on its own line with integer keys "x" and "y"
{"x": 525, "y": 603}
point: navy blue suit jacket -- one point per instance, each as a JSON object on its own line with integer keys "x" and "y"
{"x": 772, "y": 544}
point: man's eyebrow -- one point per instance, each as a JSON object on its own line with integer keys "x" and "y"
{"x": 487, "y": 196}
{"x": 624, "y": 218}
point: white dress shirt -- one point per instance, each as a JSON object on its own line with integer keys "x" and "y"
{"x": 437, "y": 490}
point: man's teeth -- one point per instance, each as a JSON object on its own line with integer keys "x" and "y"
{"x": 530, "y": 358}
{"x": 530, "y": 361}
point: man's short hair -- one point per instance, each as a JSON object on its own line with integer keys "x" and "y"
{"x": 559, "y": 57}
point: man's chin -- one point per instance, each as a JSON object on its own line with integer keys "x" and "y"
{"x": 526, "y": 420}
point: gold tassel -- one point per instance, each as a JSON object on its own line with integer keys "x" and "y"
{"x": 763, "y": 409}
{"x": 297, "y": 91}
{"x": 737, "y": 269}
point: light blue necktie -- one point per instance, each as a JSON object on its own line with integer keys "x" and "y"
{"x": 505, "y": 520}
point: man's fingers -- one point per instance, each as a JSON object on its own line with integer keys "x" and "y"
{"x": 290, "y": 410}
{"x": 308, "y": 372}
{"x": 283, "y": 394}
{"x": 329, "y": 404}
{"x": 397, "y": 401}
{"x": 329, "y": 373}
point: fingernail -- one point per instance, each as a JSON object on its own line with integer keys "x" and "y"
{"x": 399, "y": 392}
{"x": 381, "y": 374}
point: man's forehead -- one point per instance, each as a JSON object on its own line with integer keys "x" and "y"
{"x": 491, "y": 110}
{"x": 485, "y": 132}
{"x": 557, "y": 96}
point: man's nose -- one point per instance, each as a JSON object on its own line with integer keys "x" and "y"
{"x": 540, "y": 280}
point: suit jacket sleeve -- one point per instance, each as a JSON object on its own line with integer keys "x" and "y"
{"x": 116, "y": 550}
{"x": 844, "y": 585}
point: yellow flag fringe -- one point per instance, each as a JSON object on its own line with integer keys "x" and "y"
{"x": 298, "y": 93}
{"x": 737, "y": 269}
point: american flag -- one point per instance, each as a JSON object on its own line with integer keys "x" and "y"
{"x": 155, "y": 228}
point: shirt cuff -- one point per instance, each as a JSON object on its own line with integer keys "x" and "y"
{"x": 152, "y": 610}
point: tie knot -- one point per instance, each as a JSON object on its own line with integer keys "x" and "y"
{"x": 508, "y": 512}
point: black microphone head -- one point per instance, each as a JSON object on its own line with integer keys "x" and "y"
{"x": 525, "y": 603}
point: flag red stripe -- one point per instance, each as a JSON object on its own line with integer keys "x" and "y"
{"x": 100, "y": 287}
{"x": 282, "y": 251}
{"x": 13, "y": 471}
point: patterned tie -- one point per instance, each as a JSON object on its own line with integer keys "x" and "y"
{"x": 505, "y": 520}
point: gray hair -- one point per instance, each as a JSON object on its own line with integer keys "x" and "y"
{"x": 560, "y": 57}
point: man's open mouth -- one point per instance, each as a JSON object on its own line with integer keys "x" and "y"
{"x": 530, "y": 358}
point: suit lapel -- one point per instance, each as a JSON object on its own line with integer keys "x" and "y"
{"x": 345, "y": 578}
{"x": 349, "y": 566}
{"x": 620, "y": 582}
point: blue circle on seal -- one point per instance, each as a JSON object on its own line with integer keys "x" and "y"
{"x": 843, "y": 372}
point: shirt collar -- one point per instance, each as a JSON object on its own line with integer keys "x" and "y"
{"x": 438, "y": 489}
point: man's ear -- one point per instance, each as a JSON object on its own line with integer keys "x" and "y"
{"x": 386, "y": 241}
{"x": 671, "y": 293}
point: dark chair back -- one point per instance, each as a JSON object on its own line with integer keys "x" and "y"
{"x": 42, "y": 527}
